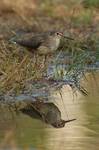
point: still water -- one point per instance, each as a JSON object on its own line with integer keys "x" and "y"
{"x": 21, "y": 132}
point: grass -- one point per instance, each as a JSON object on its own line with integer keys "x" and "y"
{"x": 83, "y": 18}
{"x": 91, "y": 3}
{"x": 19, "y": 67}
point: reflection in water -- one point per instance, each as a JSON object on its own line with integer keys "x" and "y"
{"x": 22, "y": 131}
{"x": 83, "y": 133}
{"x": 47, "y": 112}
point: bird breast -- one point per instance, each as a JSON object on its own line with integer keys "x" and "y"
{"x": 49, "y": 45}
{"x": 54, "y": 44}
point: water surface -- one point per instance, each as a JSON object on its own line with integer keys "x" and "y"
{"x": 19, "y": 131}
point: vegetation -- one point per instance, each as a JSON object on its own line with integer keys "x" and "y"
{"x": 18, "y": 66}
{"x": 91, "y": 3}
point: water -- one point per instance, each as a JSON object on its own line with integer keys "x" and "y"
{"x": 19, "y": 131}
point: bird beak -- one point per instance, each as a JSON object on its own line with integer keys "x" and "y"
{"x": 69, "y": 38}
{"x": 68, "y": 120}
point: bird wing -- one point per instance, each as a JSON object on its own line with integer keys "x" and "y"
{"x": 29, "y": 40}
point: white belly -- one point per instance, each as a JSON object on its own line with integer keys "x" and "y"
{"x": 49, "y": 46}
{"x": 55, "y": 44}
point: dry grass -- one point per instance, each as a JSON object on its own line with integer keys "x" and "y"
{"x": 17, "y": 66}
{"x": 20, "y": 6}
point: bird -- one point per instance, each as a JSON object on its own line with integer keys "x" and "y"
{"x": 47, "y": 112}
{"x": 43, "y": 43}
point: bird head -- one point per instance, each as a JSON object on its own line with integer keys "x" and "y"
{"x": 59, "y": 35}
{"x": 61, "y": 123}
{"x": 56, "y": 34}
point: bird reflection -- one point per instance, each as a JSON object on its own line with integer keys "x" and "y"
{"x": 47, "y": 112}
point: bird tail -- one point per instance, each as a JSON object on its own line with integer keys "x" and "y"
{"x": 13, "y": 40}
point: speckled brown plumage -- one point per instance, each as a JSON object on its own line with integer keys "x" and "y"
{"x": 43, "y": 43}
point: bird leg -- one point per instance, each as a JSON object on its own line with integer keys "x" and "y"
{"x": 45, "y": 58}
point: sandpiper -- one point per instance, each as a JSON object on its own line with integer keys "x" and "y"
{"x": 43, "y": 43}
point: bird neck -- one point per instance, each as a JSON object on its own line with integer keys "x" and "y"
{"x": 55, "y": 43}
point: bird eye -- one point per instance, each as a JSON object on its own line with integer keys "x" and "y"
{"x": 59, "y": 33}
